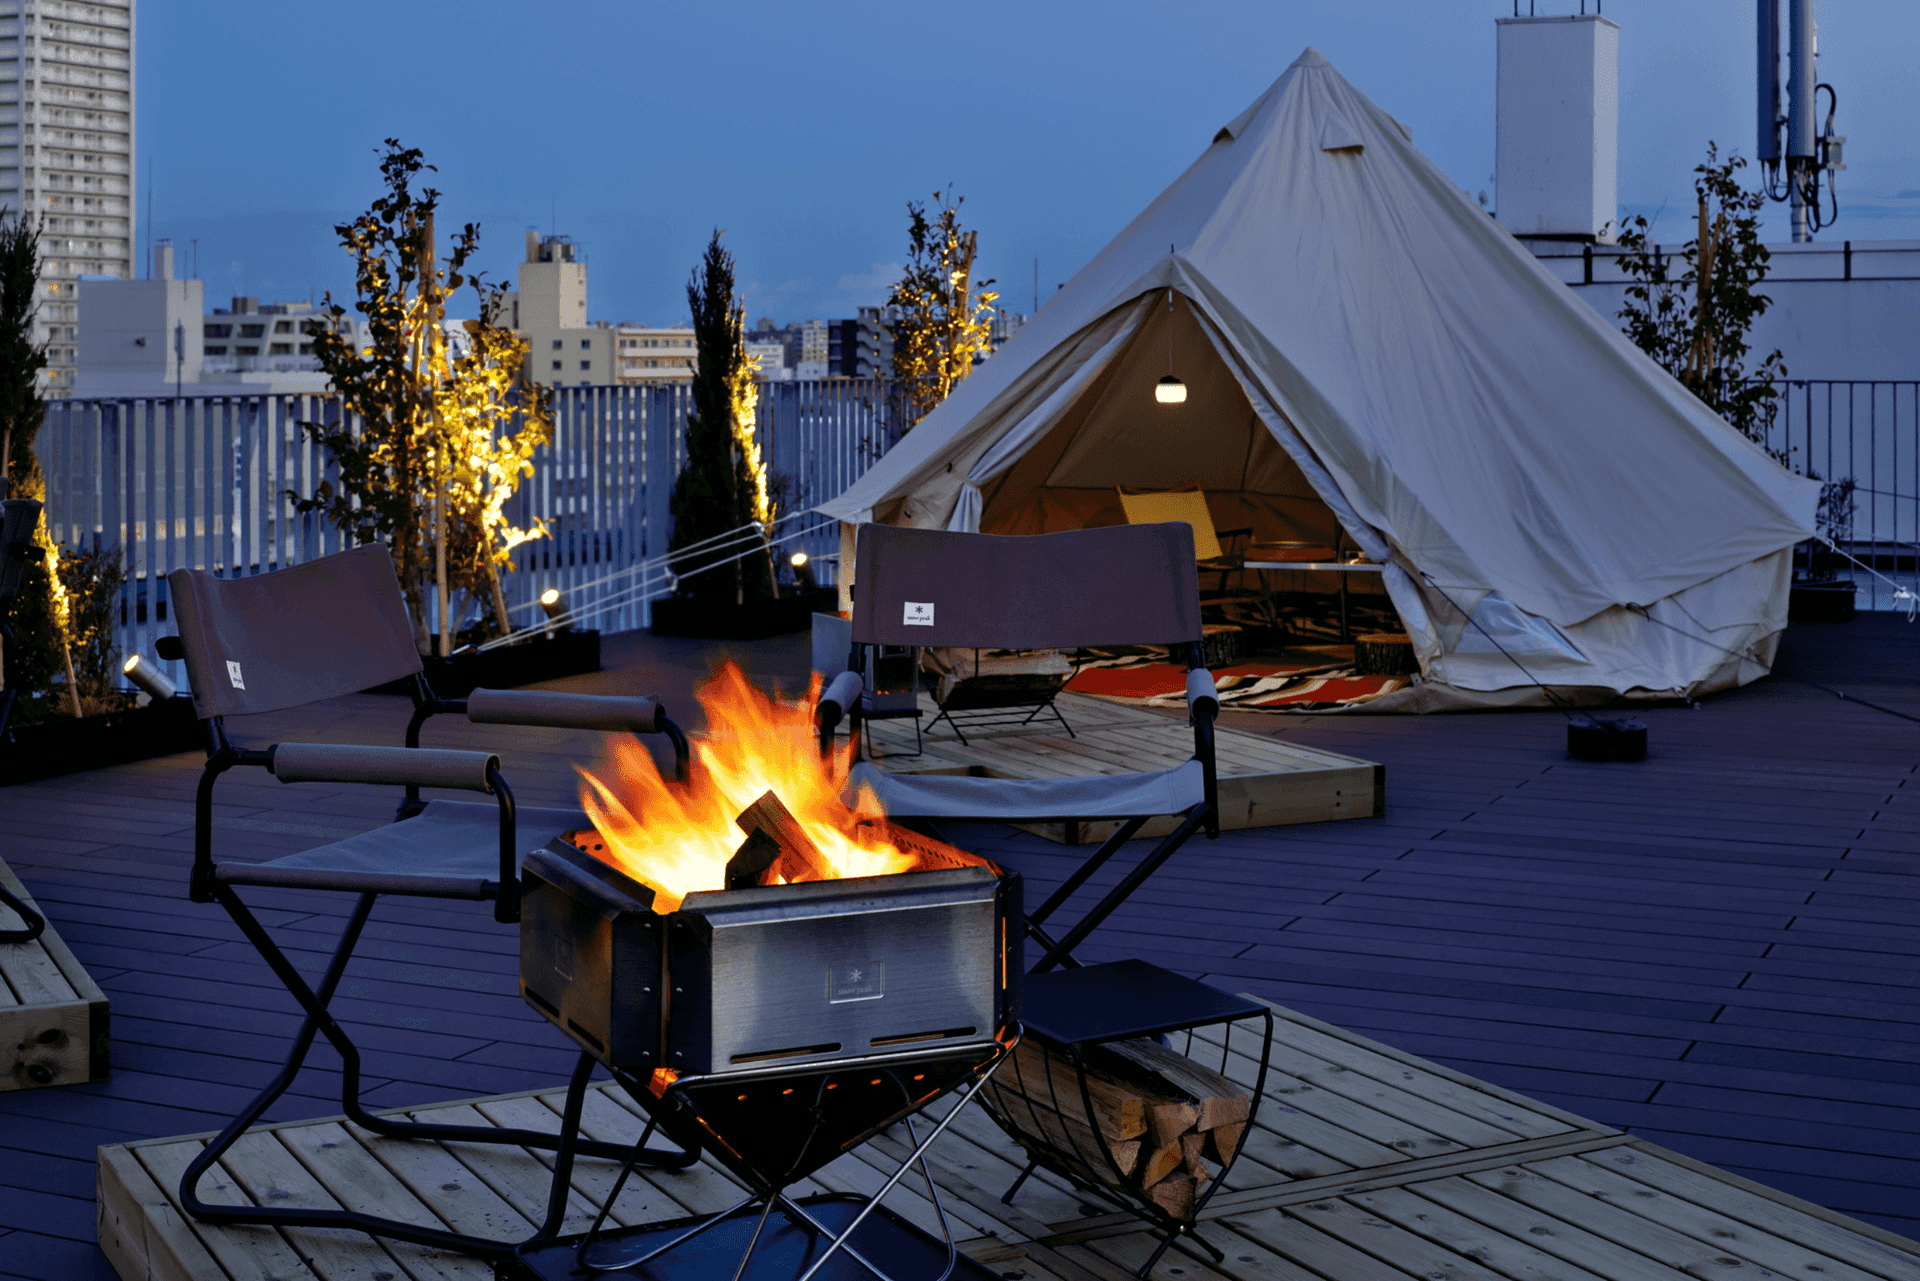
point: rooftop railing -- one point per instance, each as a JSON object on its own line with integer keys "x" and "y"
{"x": 209, "y": 482}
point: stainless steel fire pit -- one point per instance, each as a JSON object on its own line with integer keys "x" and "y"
{"x": 775, "y": 1026}
{"x": 770, "y": 976}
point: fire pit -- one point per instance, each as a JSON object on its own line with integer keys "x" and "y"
{"x": 775, "y": 1000}
{"x": 737, "y": 1008}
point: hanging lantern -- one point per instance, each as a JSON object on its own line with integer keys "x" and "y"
{"x": 1170, "y": 390}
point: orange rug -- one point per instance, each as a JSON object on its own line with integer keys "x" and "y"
{"x": 1253, "y": 686}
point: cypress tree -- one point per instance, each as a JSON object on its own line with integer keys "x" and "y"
{"x": 722, "y": 485}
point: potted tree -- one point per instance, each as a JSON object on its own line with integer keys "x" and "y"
{"x": 444, "y": 435}
{"x": 726, "y": 581}
{"x": 62, "y": 703}
{"x": 1695, "y": 324}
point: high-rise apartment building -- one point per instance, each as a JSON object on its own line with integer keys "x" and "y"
{"x": 66, "y": 151}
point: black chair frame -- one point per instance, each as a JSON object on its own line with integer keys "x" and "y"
{"x": 1201, "y": 817}
{"x": 1000, "y": 709}
{"x": 206, "y": 887}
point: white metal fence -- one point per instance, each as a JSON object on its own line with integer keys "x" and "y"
{"x": 203, "y": 482}
{"x": 1863, "y": 438}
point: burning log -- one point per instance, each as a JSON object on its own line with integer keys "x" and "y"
{"x": 799, "y": 858}
{"x": 1163, "y": 1116}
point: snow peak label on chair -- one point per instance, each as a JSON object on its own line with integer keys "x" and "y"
{"x": 919, "y": 613}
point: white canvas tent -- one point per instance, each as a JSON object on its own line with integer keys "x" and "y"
{"x": 1364, "y": 347}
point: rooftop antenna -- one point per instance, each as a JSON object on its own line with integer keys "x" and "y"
{"x": 1796, "y": 176}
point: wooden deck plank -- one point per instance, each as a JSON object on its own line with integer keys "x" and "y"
{"x": 1528, "y": 1192}
{"x": 54, "y": 1019}
{"x": 1263, "y": 781}
{"x": 1774, "y": 751}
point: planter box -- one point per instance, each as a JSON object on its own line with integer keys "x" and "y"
{"x": 65, "y": 744}
{"x": 1821, "y": 602}
{"x": 678, "y": 616}
{"x": 538, "y": 658}
{"x": 56, "y": 1033}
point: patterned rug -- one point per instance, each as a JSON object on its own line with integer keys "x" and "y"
{"x": 1298, "y": 686}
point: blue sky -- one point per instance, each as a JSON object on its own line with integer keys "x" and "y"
{"x": 803, "y": 130}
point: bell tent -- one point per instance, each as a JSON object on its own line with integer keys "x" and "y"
{"x": 1366, "y": 352}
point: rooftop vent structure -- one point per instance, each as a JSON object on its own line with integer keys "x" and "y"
{"x": 1557, "y": 127}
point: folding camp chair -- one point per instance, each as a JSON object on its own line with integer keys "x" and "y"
{"x": 319, "y": 630}
{"x": 983, "y": 690}
{"x": 1126, "y": 584}
{"x": 1222, "y": 552}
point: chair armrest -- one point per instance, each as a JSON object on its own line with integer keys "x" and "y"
{"x": 1201, "y": 690}
{"x": 1203, "y": 704}
{"x": 613, "y": 712}
{"x": 411, "y": 766}
{"x": 839, "y": 698}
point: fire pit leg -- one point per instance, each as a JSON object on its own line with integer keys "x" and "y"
{"x": 917, "y": 1154}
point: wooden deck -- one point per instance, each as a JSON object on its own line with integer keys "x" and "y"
{"x": 53, "y": 1016}
{"x": 1712, "y": 949}
{"x": 1363, "y": 1162}
{"x": 1264, "y": 781}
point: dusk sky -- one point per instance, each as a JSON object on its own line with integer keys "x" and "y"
{"x": 803, "y": 130}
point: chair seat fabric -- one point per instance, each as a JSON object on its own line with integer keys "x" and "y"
{"x": 451, "y": 849}
{"x": 1100, "y": 796}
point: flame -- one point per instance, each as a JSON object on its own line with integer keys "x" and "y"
{"x": 677, "y": 839}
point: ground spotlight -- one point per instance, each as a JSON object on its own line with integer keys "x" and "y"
{"x": 553, "y": 605}
{"x": 149, "y": 678}
{"x": 803, "y": 571}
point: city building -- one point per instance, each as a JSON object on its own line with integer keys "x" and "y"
{"x": 270, "y": 344}
{"x": 136, "y": 337}
{"x": 549, "y": 310}
{"x": 150, "y": 338}
{"x": 859, "y": 348}
{"x": 66, "y": 153}
{"x": 653, "y": 355}
{"x": 770, "y": 360}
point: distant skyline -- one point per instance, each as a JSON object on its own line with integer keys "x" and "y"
{"x": 637, "y": 130}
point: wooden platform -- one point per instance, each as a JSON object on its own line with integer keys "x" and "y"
{"x": 53, "y": 1017}
{"x": 1367, "y": 1164}
{"x": 1264, "y": 781}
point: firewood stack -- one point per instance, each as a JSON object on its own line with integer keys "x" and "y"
{"x": 1169, "y": 1123}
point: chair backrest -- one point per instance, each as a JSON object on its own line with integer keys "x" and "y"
{"x": 1149, "y": 507}
{"x": 329, "y": 627}
{"x": 1121, "y": 584}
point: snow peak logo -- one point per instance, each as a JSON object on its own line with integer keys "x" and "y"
{"x": 919, "y": 614}
{"x": 233, "y": 675}
{"x": 866, "y": 981}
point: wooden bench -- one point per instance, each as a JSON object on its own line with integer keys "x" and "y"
{"x": 1365, "y": 1163}
{"x": 1264, "y": 781}
{"x": 53, "y": 1018}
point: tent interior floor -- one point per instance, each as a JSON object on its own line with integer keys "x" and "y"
{"x": 1710, "y": 949}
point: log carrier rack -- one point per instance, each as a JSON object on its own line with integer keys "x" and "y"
{"x": 1096, "y": 1097}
